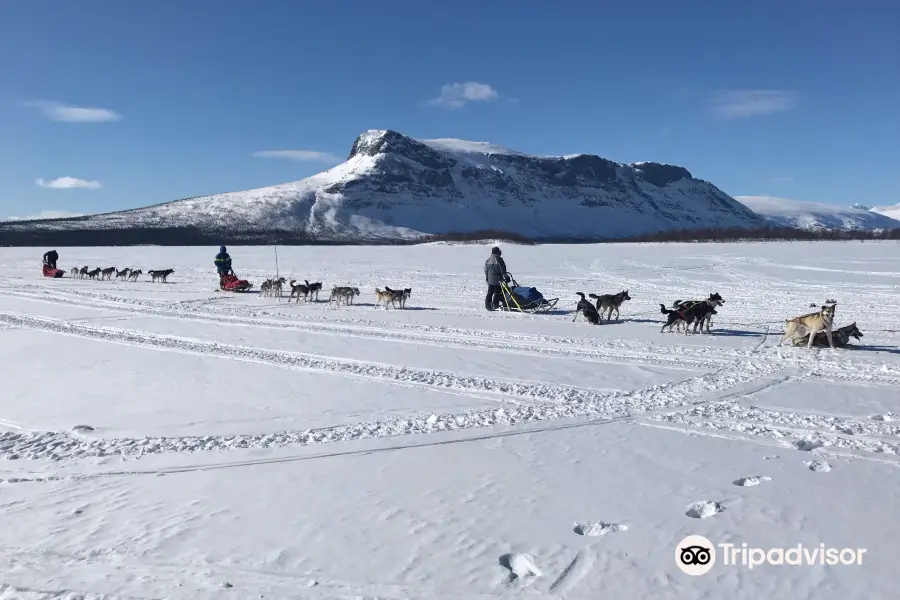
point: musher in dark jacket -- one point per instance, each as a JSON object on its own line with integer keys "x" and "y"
{"x": 50, "y": 258}
{"x": 223, "y": 262}
{"x": 494, "y": 273}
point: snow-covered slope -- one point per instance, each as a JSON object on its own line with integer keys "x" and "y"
{"x": 392, "y": 185}
{"x": 815, "y": 215}
{"x": 892, "y": 212}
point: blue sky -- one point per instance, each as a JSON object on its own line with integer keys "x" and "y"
{"x": 107, "y": 104}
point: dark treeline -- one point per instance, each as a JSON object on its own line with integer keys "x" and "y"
{"x": 189, "y": 236}
{"x": 192, "y": 236}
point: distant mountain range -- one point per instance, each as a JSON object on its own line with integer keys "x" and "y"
{"x": 817, "y": 216}
{"x": 392, "y": 186}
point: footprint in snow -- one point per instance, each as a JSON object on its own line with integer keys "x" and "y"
{"x": 704, "y": 509}
{"x": 521, "y": 566}
{"x": 808, "y": 445}
{"x": 751, "y": 481}
{"x": 599, "y": 528}
{"x": 818, "y": 466}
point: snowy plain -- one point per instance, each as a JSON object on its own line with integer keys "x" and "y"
{"x": 247, "y": 447}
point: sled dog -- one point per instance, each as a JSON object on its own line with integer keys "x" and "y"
{"x": 685, "y": 313}
{"x": 314, "y": 289}
{"x": 810, "y": 325}
{"x": 344, "y": 293}
{"x": 610, "y": 302}
{"x": 160, "y": 274}
{"x": 298, "y": 289}
{"x": 589, "y": 311}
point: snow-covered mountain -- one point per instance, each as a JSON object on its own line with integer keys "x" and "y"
{"x": 394, "y": 186}
{"x": 815, "y": 215}
{"x": 892, "y": 212}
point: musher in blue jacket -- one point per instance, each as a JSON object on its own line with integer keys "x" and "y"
{"x": 223, "y": 262}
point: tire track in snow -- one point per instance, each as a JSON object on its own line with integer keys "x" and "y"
{"x": 686, "y": 357}
{"x": 553, "y": 402}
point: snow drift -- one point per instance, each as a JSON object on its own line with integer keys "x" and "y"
{"x": 817, "y": 216}
{"x": 394, "y": 186}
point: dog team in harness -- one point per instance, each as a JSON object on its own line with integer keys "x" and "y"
{"x": 504, "y": 293}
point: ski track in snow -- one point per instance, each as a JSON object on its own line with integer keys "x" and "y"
{"x": 547, "y": 401}
{"x": 580, "y": 348}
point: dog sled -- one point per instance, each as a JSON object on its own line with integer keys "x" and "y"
{"x": 524, "y": 299}
{"x": 49, "y": 271}
{"x": 231, "y": 283}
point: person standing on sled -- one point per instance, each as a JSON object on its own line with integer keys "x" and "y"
{"x": 494, "y": 273}
{"x": 50, "y": 258}
{"x": 223, "y": 264}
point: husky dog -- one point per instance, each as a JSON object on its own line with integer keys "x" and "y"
{"x": 383, "y": 297}
{"x": 107, "y": 273}
{"x": 123, "y": 274}
{"x": 278, "y": 286}
{"x": 841, "y": 336}
{"x": 344, "y": 293}
{"x": 689, "y": 312}
{"x": 272, "y": 287}
{"x": 297, "y": 289}
{"x": 585, "y": 307}
{"x": 94, "y": 273}
{"x": 314, "y": 288}
{"x": 399, "y": 296}
{"x": 160, "y": 274}
{"x": 610, "y": 302}
{"x": 811, "y": 325}
{"x": 704, "y": 317}
{"x": 83, "y": 272}
{"x": 406, "y": 294}
{"x": 74, "y": 272}
{"x": 134, "y": 274}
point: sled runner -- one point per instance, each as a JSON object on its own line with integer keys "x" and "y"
{"x": 51, "y": 272}
{"x": 231, "y": 283}
{"x": 522, "y": 298}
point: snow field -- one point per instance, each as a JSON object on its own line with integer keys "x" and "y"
{"x": 300, "y": 450}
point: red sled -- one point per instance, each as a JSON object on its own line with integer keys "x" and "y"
{"x": 231, "y": 283}
{"x": 51, "y": 272}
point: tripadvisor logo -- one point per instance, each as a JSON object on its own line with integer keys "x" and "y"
{"x": 696, "y": 555}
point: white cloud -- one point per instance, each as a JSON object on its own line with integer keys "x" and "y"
{"x": 299, "y": 155}
{"x": 737, "y": 104}
{"x": 47, "y": 214}
{"x": 457, "y": 95}
{"x": 57, "y": 111}
{"x": 68, "y": 183}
